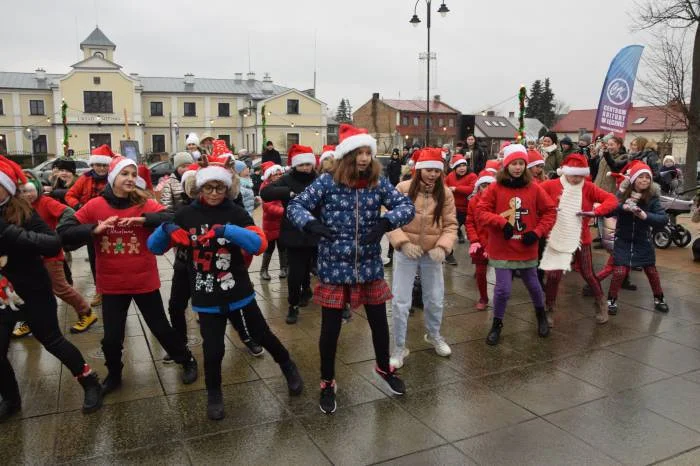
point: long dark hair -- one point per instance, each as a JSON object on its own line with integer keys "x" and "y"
{"x": 438, "y": 194}
{"x": 16, "y": 211}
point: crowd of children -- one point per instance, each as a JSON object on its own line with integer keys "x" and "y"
{"x": 525, "y": 213}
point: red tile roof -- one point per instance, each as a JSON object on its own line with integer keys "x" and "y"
{"x": 419, "y": 106}
{"x": 655, "y": 119}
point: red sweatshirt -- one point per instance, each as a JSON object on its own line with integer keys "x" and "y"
{"x": 464, "y": 187}
{"x": 273, "y": 211}
{"x": 592, "y": 194}
{"x": 123, "y": 262}
{"x": 50, "y": 211}
{"x": 476, "y": 231}
{"x": 84, "y": 189}
{"x": 528, "y": 209}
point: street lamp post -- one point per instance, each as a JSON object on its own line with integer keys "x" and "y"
{"x": 415, "y": 20}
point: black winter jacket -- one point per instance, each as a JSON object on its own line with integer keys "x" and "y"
{"x": 24, "y": 247}
{"x": 393, "y": 171}
{"x": 281, "y": 190}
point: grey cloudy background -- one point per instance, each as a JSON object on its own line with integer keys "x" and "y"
{"x": 485, "y": 48}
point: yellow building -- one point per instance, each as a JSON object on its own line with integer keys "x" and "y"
{"x": 105, "y": 106}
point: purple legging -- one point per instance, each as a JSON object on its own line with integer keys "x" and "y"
{"x": 504, "y": 283}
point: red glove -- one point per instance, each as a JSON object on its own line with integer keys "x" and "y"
{"x": 180, "y": 237}
{"x": 210, "y": 234}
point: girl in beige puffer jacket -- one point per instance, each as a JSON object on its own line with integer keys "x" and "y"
{"x": 422, "y": 246}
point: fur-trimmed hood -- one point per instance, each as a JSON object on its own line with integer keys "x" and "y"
{"x": 190, "y": 187}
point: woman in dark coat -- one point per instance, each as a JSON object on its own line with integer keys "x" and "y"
{"x": 638, "y": 213}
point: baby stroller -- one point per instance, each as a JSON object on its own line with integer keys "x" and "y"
{"x": 672, "y": 233}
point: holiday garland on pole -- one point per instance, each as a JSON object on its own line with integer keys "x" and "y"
{"x": 264, "y": 124}
{"x": 64, "y": 121}
{"x": 522, "y": 93}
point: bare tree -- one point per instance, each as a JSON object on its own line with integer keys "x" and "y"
{"x": 666, "y": 82}
{"x": 680, "y": 14}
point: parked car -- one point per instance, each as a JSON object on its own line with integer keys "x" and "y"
{"x": 43, "y": 170}
{"x": 160, "y": 169}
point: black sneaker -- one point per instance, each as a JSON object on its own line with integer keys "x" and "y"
{"x": 283, "y": 272}
{"x": 292, "y": 315}
{"x": 92, "y": 400}
{"x": 392, "y": 381}
{"x": 587, "y": 290}
{"x": 167, "y": 359}
{"x": 111, "y": 383}
{"x": 626, "y": 285}
{"x": 305, "y": 298}
{"x": 215, "y": 404}
{"x": 294, "y": 380}
{"x": 189, "y": 371}
{"x": 327, "y": 402}
{"x": 450, "y": 259}
{"x": 612, "y": 307}
{"x": 8, "y": 408}
{"x": 660, "y": 305}
{"x": 253, "y": 348}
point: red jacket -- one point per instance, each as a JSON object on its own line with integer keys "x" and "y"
{"x": 464, "y": 187}
{"x": 273, "y": 211}
{"x": 476, "y": 231}
{"x": 50, "y": 211}
{"x": 84, "y": 189}
{"x": 592, "y": 194}
{"x": 124, "y": 265}
{"x": 528, "y": 209}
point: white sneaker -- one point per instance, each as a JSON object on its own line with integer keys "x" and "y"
{"x": 396, "y": 360}
{"x": 441, "y": 347}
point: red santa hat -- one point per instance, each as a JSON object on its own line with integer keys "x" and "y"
{"x": 145, "y": 175}
{"x": 513, "y": 152}
{"x": 215, "y": 169}
{"x": 220, "y": 149}
{"x": 352, "y": 138}
{"x": 457, "y": 160}
{"x": 116, "y": 166}
{"x": 493, "y": 165}
{"x": 504, "y": 144}
{"x": 574, "y": 164}
{"x": 328, "y": 151}
{"x": 430, "y": 158}
{"x": 484, "y": 177}
{"x": 534, "y": 158}
{"x": 11, "y": 175}
{"x": 101, "y": 155}
{"x": 414, "y": 158}
{"x": 299, "y": 155}
{"x": 269, "y": 169}
{"x": 637, "y": 170}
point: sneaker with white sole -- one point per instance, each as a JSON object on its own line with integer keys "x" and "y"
{"x": 391, "y": 381}
{"x": 400, "y": 353}
{"x": 440, "y": 345}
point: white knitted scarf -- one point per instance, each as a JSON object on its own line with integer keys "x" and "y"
{"x": 565, "y": 237}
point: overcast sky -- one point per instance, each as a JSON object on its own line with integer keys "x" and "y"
{"x": 485, "y": 49}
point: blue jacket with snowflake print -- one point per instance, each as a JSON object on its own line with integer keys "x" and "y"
{"x": 350, "y": 213}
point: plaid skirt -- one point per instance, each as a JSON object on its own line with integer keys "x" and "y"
{"x": 337, "y": 296}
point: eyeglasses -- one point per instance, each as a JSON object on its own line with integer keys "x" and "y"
{"x": 218, "y": 188}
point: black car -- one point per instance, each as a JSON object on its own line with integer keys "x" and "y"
{"x": 160, "y": 169}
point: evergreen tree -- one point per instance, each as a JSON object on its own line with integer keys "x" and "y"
{"x": 344, "y": 112}
{"x": 547, "y": 105}
{"x": 534, "y": 99}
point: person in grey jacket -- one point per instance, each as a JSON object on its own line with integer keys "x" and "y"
{"x": 249, "y": 200}
{"x": 172, "y": 196}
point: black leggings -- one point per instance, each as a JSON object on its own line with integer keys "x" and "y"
{"x": 39, "y": 311}
{"x": 461, "y": 220}
{"x": 179, "y": 299}
{"x": 213, "y": 327}
{"x": 177, "y": 305}
{"x": 114, "y": 311}
{"x": 331, "y": 322}
{"x": 91, "y": 258}
{"x": 299, "y": 277}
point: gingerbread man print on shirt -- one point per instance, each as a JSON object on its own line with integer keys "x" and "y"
{"x": 515, "y": 215}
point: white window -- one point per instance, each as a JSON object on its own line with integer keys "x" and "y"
{"x": 639, "y": 120}
{"x": 451, "y": 122}
{"x": 487, "y": 122}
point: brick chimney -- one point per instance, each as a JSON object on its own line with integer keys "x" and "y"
{"x": 375, "y": 96}
{"x": 189, "y": 79}
{"x": 40, "y": 74}
{"x": 436, "y": 97}
{"x": 238, "y": 77}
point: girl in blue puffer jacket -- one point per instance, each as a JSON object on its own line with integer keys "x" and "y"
{"x": 637, "y": 214}
{"x": 350, "y": 269}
